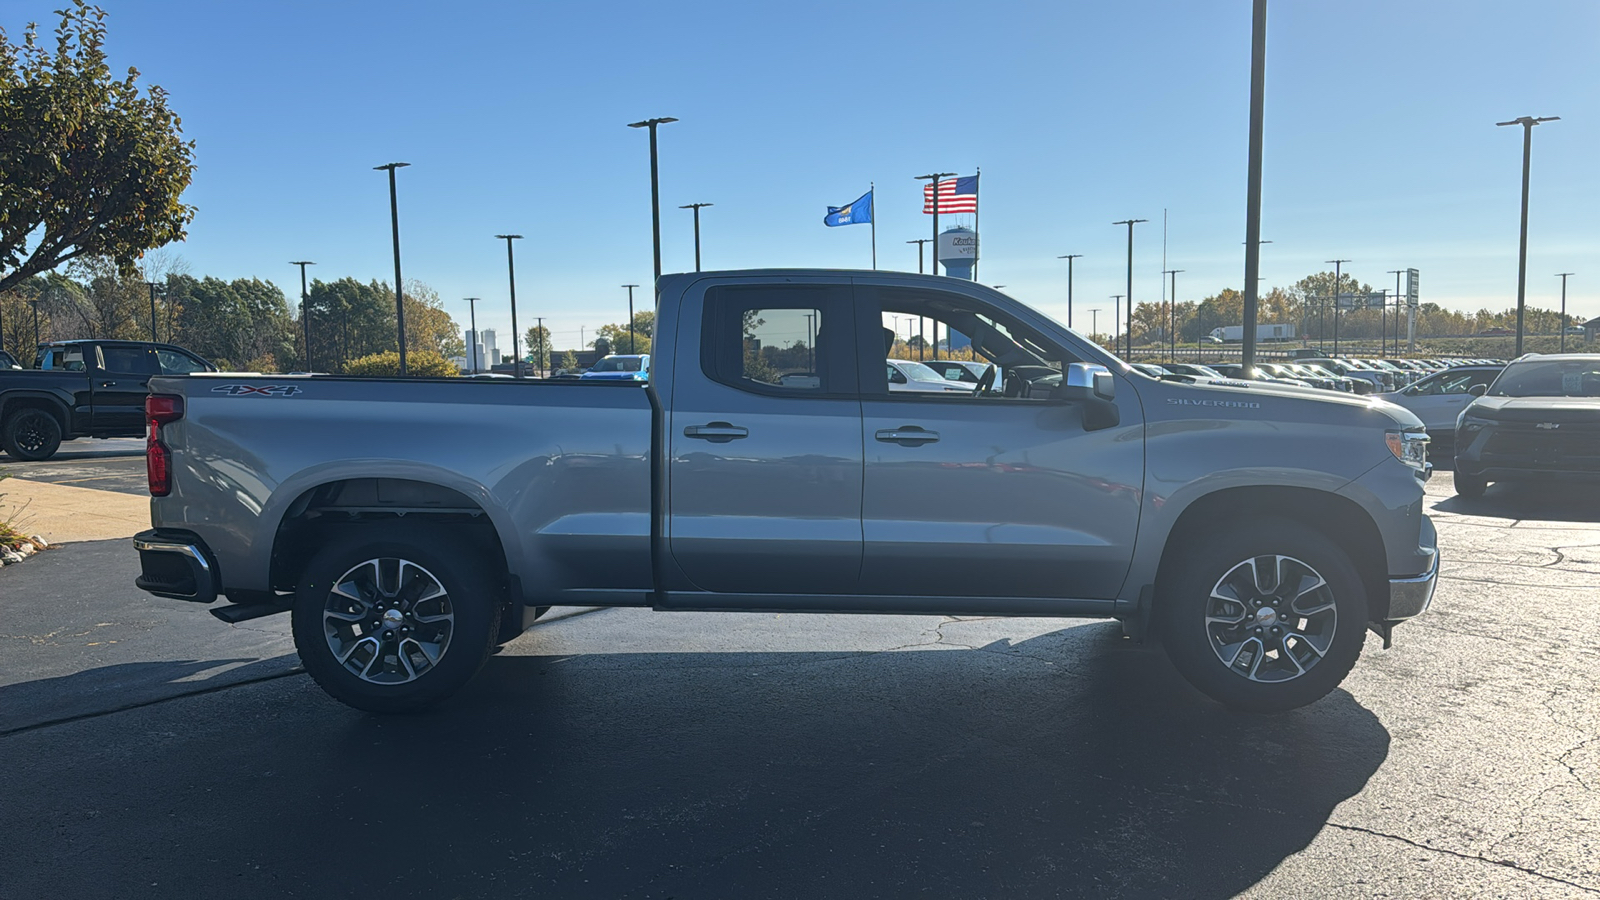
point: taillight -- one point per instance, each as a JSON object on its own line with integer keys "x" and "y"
{"x": 159, "y": 409}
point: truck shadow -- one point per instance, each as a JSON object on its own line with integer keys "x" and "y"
{"x": 1067, "y": 764}
{"x": 31, "y": 704}
{"x": 1550, "y": 501}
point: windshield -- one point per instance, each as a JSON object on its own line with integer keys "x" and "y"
{"x": 1552, "y": 378}
{"x": 619, "y": 364}
{"x": 917, "y": 371}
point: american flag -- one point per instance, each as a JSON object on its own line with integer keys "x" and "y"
{"x": 957, "y": 195}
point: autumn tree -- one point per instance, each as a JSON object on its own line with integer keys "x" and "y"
{"x": 644, "y": 327}
{"x": 89, "y": 165}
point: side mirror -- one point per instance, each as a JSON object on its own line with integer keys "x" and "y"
{"x": 1096, "y": 389}
{"x": 1478, "y": 390}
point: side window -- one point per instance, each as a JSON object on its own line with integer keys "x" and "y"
{"x": 175, "y": 363}
{"x": 70, "y": 359}
{"x": 128, "y": 360}
{"x": 895, "y": 375}
{"x": 783, "y": 340}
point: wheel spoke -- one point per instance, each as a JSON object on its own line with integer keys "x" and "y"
{"x": 357, "y": 646}
{"x": 1248, "y": 595}
{"x": 350, "y": 604}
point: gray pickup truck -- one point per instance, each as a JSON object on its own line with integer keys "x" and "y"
{"x": 411, "y": 525}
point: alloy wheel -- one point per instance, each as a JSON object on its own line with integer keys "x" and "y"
{"x": 388, "y": 621}
{"x": 1271, "y": 618}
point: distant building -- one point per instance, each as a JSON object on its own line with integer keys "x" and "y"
{"x": 1591, "y": 330}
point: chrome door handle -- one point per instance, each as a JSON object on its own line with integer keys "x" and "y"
{"x": 907, "y": 436}
{"x": 716, "y": 432}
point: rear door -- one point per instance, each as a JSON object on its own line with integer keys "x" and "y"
{"x": 120, "y": 381}
{"x": 765, "y": 439}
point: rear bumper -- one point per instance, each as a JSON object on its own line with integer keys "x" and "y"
{"x": 177, "y": 565}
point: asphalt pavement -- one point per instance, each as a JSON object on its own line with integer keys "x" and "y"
{"x": 152, "y": 751}
{"x": 107, "y": 464}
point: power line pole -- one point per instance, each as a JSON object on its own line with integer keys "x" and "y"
{"x": 1069, "y": 258}
{"x": 1130, "y": 223}
{"x": 1336, "y": 280}
{"x": 399, "y": 291}
{"x": 1527, "y": 123}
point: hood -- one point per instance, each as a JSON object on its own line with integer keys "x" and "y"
{"x": 1537, "y": 409}
{"x": 1223, "y": 392}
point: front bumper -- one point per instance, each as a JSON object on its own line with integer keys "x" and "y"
{"x": 1411, "y": 597}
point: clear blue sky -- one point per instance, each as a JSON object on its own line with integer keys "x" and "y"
{"x": 1380, "y": 139}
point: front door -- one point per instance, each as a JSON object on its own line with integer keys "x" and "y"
{"x": 765, "y": 441}
{"x": 996, "y": 494}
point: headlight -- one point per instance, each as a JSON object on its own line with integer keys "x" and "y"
{"x": 1410, "y": 447}
{"x": 1470, "y": 423}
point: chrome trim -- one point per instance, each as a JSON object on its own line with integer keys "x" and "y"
{"x": 188, "y": 550}
{"x": 1409, "y": 597}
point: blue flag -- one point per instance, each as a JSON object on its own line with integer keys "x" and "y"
{"x": 857, "y": 213}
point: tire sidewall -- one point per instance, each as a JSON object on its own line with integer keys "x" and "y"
{"x": 459, "y": 568}
{"x": 1469, "y": 486}
{"x": 1182, "y": 602}
{"x": 15, "y": 423}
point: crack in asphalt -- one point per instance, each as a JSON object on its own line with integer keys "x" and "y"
{"x": 1504, "y": 863}
{"x": 212, "y": 689}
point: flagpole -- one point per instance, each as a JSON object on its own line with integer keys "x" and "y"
{"x": 872, "y": 209}
{"x": 977, "y": 249}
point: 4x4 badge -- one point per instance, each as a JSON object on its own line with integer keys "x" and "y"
{"x": 270, "y": 390}
{"x": 1548, "y": 425}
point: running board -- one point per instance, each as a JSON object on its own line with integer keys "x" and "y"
{"x": 234, "y": 613}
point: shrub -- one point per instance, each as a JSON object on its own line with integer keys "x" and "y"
{"x": 421, "y": 363}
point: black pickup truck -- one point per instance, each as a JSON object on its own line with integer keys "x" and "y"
{"x": 87, "y": 388}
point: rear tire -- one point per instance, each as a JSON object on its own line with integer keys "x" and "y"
{"x": 393, "y": 618}
{"x": 1263, "y": 618}
{"x": 31, "y": 435}
{"x": 1470, "y": 486}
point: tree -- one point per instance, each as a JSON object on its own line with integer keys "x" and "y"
{"x": 421, "y": 363}
{"x": 536, "y": 347}
{"x": 91, "y": 167}
{"x": 568, "y": 361}
{"x": 644, "y": 327}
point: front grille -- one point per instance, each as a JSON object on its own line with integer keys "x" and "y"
{"x": 1573, "y": 447}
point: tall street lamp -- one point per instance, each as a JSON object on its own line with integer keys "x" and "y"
{"x": 696, "y": 207}
{"x": 539, "y": 354}
{"x": 1130, "y": 223}
{"x": 305, "y": 306}
{"x": 472, "y": 307}
{"x": 154, "y": 287}
{"x": 1172, "y": 312}
{"x": 1094, "y": 322}
{"x": 919, "y": 242}
{"x": 1252, "y": 202}
{"x": 511, "y": 270}
{"x": 655, "y": 186}
{"x": 1397, "y": 301}
{"x": 632, "y": 347}
{"x": 1563, "y": 277}
{"x": 394, "y": 224}
{"x": 933, "y": 179}
{"x": 1322, "y": 323}
{"x": 1527, "y": 123}
{"x": 1116, "y": 319}
{"x": 1069, "y": 258}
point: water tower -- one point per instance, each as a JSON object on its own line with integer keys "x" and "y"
{"x": 958, "y": 251}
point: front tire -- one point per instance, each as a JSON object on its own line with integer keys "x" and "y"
{"x": 31, "y": 435}
{"x": 393, "y": 618}
{"x": 1263, "y": 618}
{"x": 1470, "y": 486}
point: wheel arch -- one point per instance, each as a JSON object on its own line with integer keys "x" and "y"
{"x": 1339, "y": 518}
{"x": 15, "y": 400}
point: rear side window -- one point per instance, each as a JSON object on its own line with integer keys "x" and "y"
{"x": 784, "y": 340}
{"x": 175, "y": 363}
{"x": 128, "y": 360}
{"x": 64, "y": 359}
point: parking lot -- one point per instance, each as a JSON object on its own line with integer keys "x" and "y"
{"x": 151, "y": 750}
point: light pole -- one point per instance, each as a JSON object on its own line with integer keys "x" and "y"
{"x": 919, "y": 244}
{"x": 1336, "y": 280}
{"x": 655, "y": 186}
{"x": 1094, "y": 323}
{"x": 1527, "y": 123}
{"x": 1397, "y": 301}
{"x": 1130, "y": 223}
{"x": 632, "y": 347}
{"x": 399, "y": 292}
{"x": 696, "y": 207}
{"x": 1069, "y": 258}
{"x": 1252, "y": 202}
{"x": 472, "y": 307}
{"x": 154, "y": 286}
{"x": 1172, "y": 311}
{"x": 1116, "y": 319}
{"x": 933, "y": 179}
{"x": 1563, "y": 277}
{"x": 511, "y": 271}
{"x": 305, "y": 306}
{"x": 540, "y": 356}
